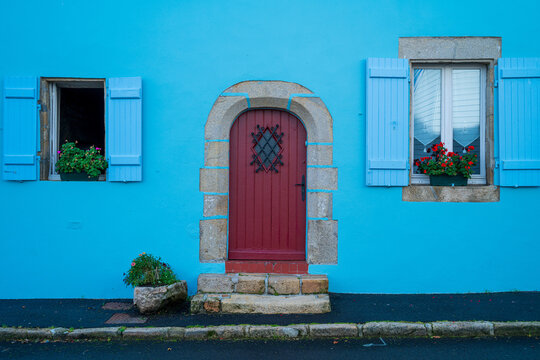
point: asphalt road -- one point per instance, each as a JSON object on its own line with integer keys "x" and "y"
{"x": 462, "y": 349}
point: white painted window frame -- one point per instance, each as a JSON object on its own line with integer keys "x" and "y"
{"x": 54, "y": 111}
{"x": 446, "y": 116}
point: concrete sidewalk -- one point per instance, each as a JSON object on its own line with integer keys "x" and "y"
{"x": 425, "y": 315}
{"x": 346, "y": 308}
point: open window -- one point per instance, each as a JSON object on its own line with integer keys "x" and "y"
{"x": 76, "y": 113}
{"x": 41, "y": 114}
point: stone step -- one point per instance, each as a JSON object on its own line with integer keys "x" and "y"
{"x": 261, "y": 284}
{"x": 260, "y": 304}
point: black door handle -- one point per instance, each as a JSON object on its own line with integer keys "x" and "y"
{"x": 303, "y": 185}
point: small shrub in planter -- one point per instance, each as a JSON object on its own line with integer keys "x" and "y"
{"x": 156, "y": 285}
{"x": 80, "y": 165}
{"x": 446, "y": 167}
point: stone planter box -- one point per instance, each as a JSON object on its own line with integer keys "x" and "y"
{"x": 150, "y": 299}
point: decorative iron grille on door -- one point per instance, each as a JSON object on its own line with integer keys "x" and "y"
{"x": 267, "y": 149}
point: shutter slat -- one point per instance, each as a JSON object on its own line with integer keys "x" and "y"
{"x": 20, "y": 136}
{"x": 519, "y": 122}
{"x": 124, "y": 129}
{"x": 387, "y": 122}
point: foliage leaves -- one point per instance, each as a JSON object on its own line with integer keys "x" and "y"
{"x": 149, "y": 270}
{"x": 444, "y": 162}
{"x": 72, "y": 159}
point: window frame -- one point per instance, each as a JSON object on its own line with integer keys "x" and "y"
{"x": 446, "y": 68}
{"x": 49, "y": 117}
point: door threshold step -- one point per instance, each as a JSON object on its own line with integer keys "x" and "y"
{"x": 260, "y": 304}
{"x": 269, "y": 266}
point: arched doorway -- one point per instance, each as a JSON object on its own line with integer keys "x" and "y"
{"x": 321, "y": 241}
{"x": 267, "y": 186}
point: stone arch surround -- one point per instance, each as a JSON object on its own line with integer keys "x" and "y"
{"x": 322, "y": 232}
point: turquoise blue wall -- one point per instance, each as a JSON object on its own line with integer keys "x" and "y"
{"x": 76, "y": 239}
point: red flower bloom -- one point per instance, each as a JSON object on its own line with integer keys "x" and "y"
{"x": 470, "y": 162}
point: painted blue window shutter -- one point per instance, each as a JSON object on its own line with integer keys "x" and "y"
{"x": 124, "y": 129}
{"x": 519, "y": 122}
{"x": 19, "y": 160}
{"x": 387, "y": 122}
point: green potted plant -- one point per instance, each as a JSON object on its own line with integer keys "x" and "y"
{"x": 75, "y": 164}
{"x": 156, "y": 285}
{"x": 446, "y": 168}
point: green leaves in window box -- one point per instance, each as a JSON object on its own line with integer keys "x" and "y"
{"x": 72, "y": 160}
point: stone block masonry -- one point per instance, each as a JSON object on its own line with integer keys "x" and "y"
{"x": 271, "y": 284}
{"x": 261, "y": 293}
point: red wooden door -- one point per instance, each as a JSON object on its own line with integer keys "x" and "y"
{"x": 267, "y": 210}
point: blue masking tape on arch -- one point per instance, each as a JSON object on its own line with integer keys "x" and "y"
{"x": 299, "y": 95}
{"x": 246, "y": 95}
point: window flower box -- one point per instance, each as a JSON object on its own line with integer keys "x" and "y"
{"x": 75, "y": 176}
{"x": 446, "y": 180}
{"x": 446, "y": 168}
{"x": 75, "y": 164}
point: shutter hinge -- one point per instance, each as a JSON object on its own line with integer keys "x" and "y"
{"x": 408, "y": 165}
{"x": 495, "y": 82}
{"x": 497, "y": 164}
{"x": 41, "y": 107}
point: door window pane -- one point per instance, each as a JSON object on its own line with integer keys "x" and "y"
{"x": 427, "y": 110}
{"x": 466, "y": 111}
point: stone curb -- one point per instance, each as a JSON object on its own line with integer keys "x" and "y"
{"x": 295, "y": 331}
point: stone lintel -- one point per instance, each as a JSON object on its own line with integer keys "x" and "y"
{"x": 450, "y": 47}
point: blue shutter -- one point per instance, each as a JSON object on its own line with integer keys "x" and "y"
{"x": 387, "y": 122}
{"x": 19, "y": 161}
{"x": 518, "y": 122}
{"x": 124, "y": 129}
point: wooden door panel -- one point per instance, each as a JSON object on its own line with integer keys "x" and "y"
{"x": 267, "y": 216}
